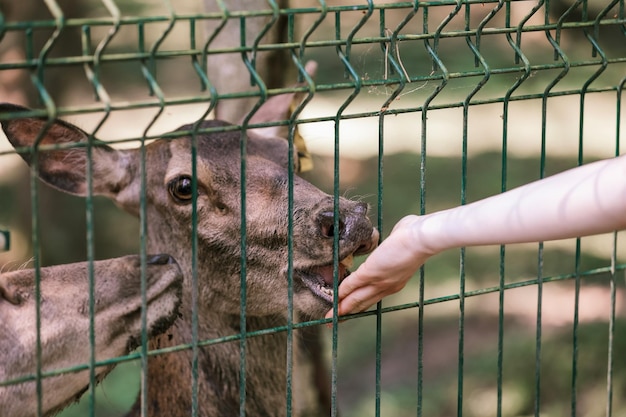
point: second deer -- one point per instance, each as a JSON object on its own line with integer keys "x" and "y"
{"x": 65, "y": 322}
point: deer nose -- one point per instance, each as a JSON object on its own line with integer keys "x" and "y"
{"x": 354, "y": 227}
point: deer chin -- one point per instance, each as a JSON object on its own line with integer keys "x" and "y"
{"x": 319, "y": 279}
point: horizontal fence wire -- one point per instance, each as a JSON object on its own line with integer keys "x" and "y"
{"x": 435, "y": 68}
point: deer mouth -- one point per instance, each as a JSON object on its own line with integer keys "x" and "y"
{"x": 319, "y": 280}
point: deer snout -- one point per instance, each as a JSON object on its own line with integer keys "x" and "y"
{"x": 355, "y": 228}
{"x": 369, "y": 244}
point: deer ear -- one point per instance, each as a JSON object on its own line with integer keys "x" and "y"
{"x": 280, "y": 108}
{"x": 64, "y": 169}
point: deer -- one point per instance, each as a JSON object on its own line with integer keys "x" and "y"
{"x": 169, "y": 199}
{"x": 65, "y": 322}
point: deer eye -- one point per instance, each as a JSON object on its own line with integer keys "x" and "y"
{"x": 180, "y": 189}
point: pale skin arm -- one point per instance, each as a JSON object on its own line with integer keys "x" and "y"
{"x": 586, "y": 200}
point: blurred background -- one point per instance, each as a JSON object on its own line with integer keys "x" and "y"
{"x": 395, "y": 163}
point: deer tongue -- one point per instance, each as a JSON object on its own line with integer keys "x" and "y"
{"x": 326, "y": 272}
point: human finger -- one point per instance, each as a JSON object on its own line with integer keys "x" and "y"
{"x": 357, "y": 301}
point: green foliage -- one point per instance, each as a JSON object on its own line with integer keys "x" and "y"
{"x": 114, "y": 396}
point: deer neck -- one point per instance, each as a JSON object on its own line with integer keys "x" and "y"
{"x": 218, "y": 365}
{"x": 218, "y": 368}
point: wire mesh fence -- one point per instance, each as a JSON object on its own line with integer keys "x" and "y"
{"x": 415, "y": 107}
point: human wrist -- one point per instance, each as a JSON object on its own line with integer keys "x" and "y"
{"x": 423, "y": 233}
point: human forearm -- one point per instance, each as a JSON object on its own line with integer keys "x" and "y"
{"x": 589, "y": 199}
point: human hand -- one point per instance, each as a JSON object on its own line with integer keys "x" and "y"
{"x": 386, "y": 270}
{"x": 585, "y": 200}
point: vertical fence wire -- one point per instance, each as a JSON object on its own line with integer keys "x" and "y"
{"x": 479, "y": 60}
{"x": 244, "y": 233}
{"x": 37, "y": 78}
{"x": 391, "y": 53}
{"x": 195, "y": 274}
{"x": 437, "y": 65}
{"x": 5, "y": 240}
{"x": 519, "y": 56}
{"x": 256, "y": 80}
{"x": 201, "y": 71}
{"x": 613, "y": 273}
{"x": 148, "y": 70}
{"x": 290, "y": 213}
{"x": 356, "y": 79}
{"x": 92, "y": 73}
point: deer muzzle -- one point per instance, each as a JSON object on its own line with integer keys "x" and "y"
{"x": 356, "y": 236}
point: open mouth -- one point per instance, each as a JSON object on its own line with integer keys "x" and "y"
{"x": 319, "y": 279}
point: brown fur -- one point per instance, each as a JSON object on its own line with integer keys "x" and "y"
{"x": 219, "y": 254}
{"x": 65, "y": 322}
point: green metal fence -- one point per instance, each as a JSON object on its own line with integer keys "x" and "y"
{"x": 417, "y": 106}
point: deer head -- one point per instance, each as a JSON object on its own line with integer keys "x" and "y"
{"x": 65, "y": 322}
{"x": 168, "y": 163}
